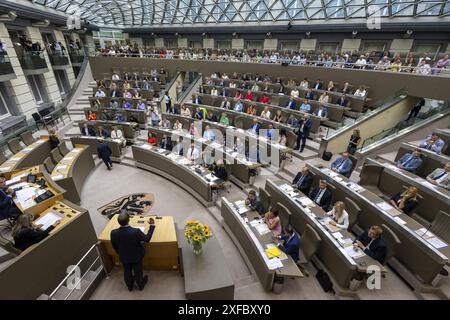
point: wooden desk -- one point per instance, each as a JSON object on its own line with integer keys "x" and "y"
{"x": 31, "y": 155}
{"x": 161, "y": 253}
{"x": 71, "y": 172}
{"x": 114, "y": 145}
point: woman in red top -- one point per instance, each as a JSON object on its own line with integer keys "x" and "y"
{"x": 238, "y": 95}
{"x": 151, "y": 139}
{"x": 264, "y": 99}
{"x": 249, "y": 96}
{"x": 91, "y": 116}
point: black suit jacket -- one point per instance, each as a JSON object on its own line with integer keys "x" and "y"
{"x": 116, "y": 94}
{"x": 27, "y": 237}
{"x": 128, "y": 243}
{"x": 6, "y": 204}
{"x": 325, "y": 201}
{"x": 377, "y": 248}
{"x": 306, "y": 183}
{"x": 103, "y": 151}
{"x": 91, "y": 132}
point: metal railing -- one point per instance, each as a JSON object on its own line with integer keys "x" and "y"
{"x": 417, "y": 70}
{"x": 5, "y": 65}
{"x": 76, "y": 268}
{"x": 33, "y": 60}
{"x": 58, "y": 59}
{"x": 189, "y": 88}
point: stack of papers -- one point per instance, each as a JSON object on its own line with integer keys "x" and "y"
{"x": 400, "y": 221}
{"x": 286, "y": 188}
{"x": 274, "y": 263}
{"x": 48, "y": 220}
{"x": 305, "y": 201}
{"x": 254, "y": 223}
{"x": 76, "y": 150}
{"x": 355, "y": 254}
{"x": 262, "y": 228}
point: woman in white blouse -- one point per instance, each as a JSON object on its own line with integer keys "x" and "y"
{"x": 324, "y": 98}
{"x": 214, "y": 92}
{"x": 177, "y": 125}
{"x": 295, "y": 93}
{"x": 185, "y": 111}
{"x": 304, "y": 84}
{"x": 361, "y": 92}
{"x": 265, "y": 113}
{"x": 339, "y": 215}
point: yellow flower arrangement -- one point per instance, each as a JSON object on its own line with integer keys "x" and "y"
{"x": 197, "y": 234}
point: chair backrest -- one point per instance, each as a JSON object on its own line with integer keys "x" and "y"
{"x": 48, "y": 165}
{"x": 441, "y": 225}
{"x": 264, "y": 196}
{"x": 284, "y": 215}
{"x": 309, "y": 242}
{"x": 56, "y": 156}
{"x": 63, "y": 149}
{"x": 392, "y": 243}
{"x": 2, "y": 157}
{"x": 27, "y": 138}
{"x": 353, "y": 211}
{"x": 14, "y": 145}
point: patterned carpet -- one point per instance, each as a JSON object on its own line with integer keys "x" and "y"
{"x": 135, "y": 203}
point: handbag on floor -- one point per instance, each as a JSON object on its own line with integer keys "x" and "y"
{"x": 324, "y": 280}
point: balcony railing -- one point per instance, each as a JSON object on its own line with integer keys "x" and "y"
{"x": 5, "y": 65}
{"x": 76, "y": 56}
{"x": 33, "y": 61}
{"x": 58, "y": 59}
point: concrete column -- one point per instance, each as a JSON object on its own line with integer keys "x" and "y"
{"x": 20, "y": 88}
{"x": 49, "y": 77}
{"x": 308, "y": 44}
{"x": 90, "y": 43}
{"x": 237, "y": 43}
{"x": 69, "y": 70}
{"x": 270, "y": 44}
{"x": 208, "y": 43}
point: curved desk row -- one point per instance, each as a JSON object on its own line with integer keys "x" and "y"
{"x": 337, "y": 255}
{"x": 162, "y": 80}
{"x": 386, "y": 179}
{"x": 114, "y": 145}
{"x": 107, "y": 114}
{"x": 72, "y": 170}
{"x": 252, "y": 245}
{"x": 146, "y": 94}
{"x": 415, "y": 252}
{"x": 29, "y": 156}
{"x": 264, "y": 145}
{"x": 240, "y": 167}
{"x": 193, "y": 178}
{"x": 130, "y": 129}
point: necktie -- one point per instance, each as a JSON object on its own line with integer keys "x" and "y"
{"x": 407, "y": 161}
{"x": 341, "y": 164}
{"x": 319, "y": 196}
{"x": 429, "y": 146}
{"x": 300, "y": 181}
{"x": 440, "y": 176}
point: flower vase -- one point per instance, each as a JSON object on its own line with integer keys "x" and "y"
{"x": 198, "y": 248}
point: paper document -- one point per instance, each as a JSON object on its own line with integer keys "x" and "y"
{"x": 437, "y": 243}
{"x": 141, "y": 228}
{"x": 75, "y": 150}
{"x": 337, "y": 235}
{"x": 345, "y": 242}
{"x": 384, "y": 206}
{"x": 254, "y": 223}
{"x": 354, "y": 254}
{"x": 25, "y": 194}
{"x": 4, "y": 169}
{"x": 338, "y": 179}
{"x": 305, "y": 201}
{"x": 274, "y": 263}
{"x": 146, "y": 146}
{"x": 399, "y": 220}
{"x": 12, "y": 181}
{"x": 15, "y": 159}
{"x": 21, "y": 185}
{"x": 262, "y": 228}
{"x": 60, "y": 168}
{"x": 68, "y": 158}
{"x": 58, "y": 177}
{"x": 48, "y": 220}
{"x": 26, "y": 150}
{"x": 273, "y": 252}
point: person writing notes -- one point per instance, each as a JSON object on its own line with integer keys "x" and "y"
{"x": 128, "y": 243}
{"x": 440, "y": 177}
{"x": 433, "y": 143}
{"x": 339, "y": 215}
{"x": 371, "y": 243}
{"x": 290, "y": 243}
{"x": 406, "y": 201}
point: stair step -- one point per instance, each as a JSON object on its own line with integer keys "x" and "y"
{"x": 305, "y": 155}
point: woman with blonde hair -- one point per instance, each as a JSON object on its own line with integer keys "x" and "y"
{"x": 406, "y": 201}
{"x": 339, "y": 215}
{"x": 26, "y": 233}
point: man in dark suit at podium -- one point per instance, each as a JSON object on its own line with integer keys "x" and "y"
{"x": 128, "y": 243}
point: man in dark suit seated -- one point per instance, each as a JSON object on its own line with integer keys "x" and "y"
{"x": 318, "y": 85}
{"x": 371, "y": 243}
{"x": 343, "y": 165}
{"x": 321, "y": 195}
{"x": 290, "y": 243}
{"x": 104, "y": 153}
{"x": 8, "y": 209}
{"x": 88, "y": 131}
{"x": 342, "y": 101}
{"x": 291, "y": 104}
{"x": 166, "y": 142}
{"x": 303, "y": 181}
{"x": 253, "y": 202}
{"x": 128, "y": 243}
{"x": 115, "y": 93}
{"x": 103, "y": 132}
{"x": 310, "y": 95}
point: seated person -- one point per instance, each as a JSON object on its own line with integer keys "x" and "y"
{"x": 165, "y": 123}
{"x": 224, "y": 120}
{"x": 371, "y": 243}
{"x": 114, "y": 104}
{"x": 406, "y": 201}
{"x": 117, "y": 134}
{"x": 305, "y": 107}
{"x": 272, "y": 220}
{"x": 88, "y": 131}
{"x": 265, "y": 114}
{"x": 127, "y": 94}
{"x": 304, "y": 84}
{"x": 219, "y": 170}
{"x": 295, "y": 93}
{"x": 290, "y": 243}
{"x": 309, "y": 95}
{"x": 343, "y": 164}
{"x": 342, "y": 101}
{"x": 103, "y": 132}
{"x": 292, "y": 121}
{"x": 141, "y": 105}
{"x": 410, "y": 162}
{"x": 303, "y": 181}
{"x": 433, "y": 143}
{"x": 291, "y": 103}
{"x": 238, "y": 95}
{"x": 193, "y": 131}
{"x": 151, "y": 139}
{"x": 264, "y": 99}
{"x": 225, "y": 104}
{"x": 193, "y": 153}
{"x": 255, "y": 127}
{"x": 321, "y": 195}
{"x": 100, "y": 93}
{"x": 321, "y": 112}
{"x": 137, "y": 94}
{"x": 177, "y": 125}
{"x": 91, "y": 116}
{"x": 119, "y": 118}
{"x": 318, "y": 85}
{"x": 361, "y": 92}
{"x": 185, "y": 112}
{"x": 178, "y": 147}
{"x": 251, "y": 110}
{"x": 339, "y": 215}
{"x": 253, "y": 202}
{"x": 26, "y": 233}
{"x": 255, "y": 87}
{"x": 127, "y": 105}
{"x": 196, "y": 99}
{"x": 208, "y": 134}
{"x": 282, "y": 140}
{"x": 249, "y": 96}
{"x": 214, "y": 92}
{"x": 324, "y": 98}
{"x": 239, "y": 106}
{"x": 8, "y": 209}
{"x": 211, "y": 116}
{"x": 166, "y": 142}
{"x": 440, "y": 177}
{"x": 278, "y": 117}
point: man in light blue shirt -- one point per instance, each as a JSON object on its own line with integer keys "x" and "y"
{"x": 238, "y": 106}
{"x": 342, "y": 165}
{"x": 209, "y": 134}
{"x": 433, "y": 143}
{"x": 305, "y": 107}
{"x": 270, "y": 133}
{"x": 410, "y": 162}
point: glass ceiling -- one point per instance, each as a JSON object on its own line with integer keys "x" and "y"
{"x": 141, "y": 13}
